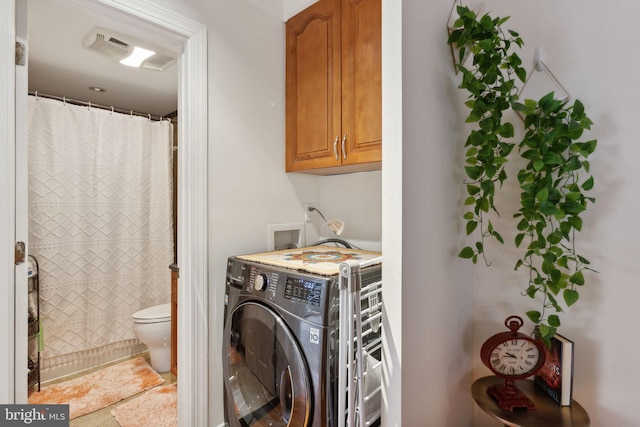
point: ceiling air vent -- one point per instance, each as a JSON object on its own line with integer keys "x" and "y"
{"x": 158, "y": 62}
{"x": 118, "y": 46}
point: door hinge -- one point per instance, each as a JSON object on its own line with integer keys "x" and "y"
{"x": 21, "y": 253}
{"x": 21, "y": 54}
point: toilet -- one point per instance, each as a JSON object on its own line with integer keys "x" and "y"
{"x": 152, "y": 326}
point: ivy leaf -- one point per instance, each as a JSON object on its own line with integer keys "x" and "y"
{"x": 588, "y": 184}
{"x": 530, "y": 155}
{"x": 578, "y": 109}
{"x": 552, "y": 159}
{"x": 486, "y": 124}
{"x": 473, "y": 172}
{"x": 571, "y": 207}
{"x": 588, "y": 147}
{"x": 577, "y": 278}
{"x": 507, "y": 130}
{"x": 553, "y": 320}
{"x": 471, "y": 152}
{"x": 475, "y": 138}
{"x": 519, "y": 107}
{"x": 534, "y": 316}
{"x": 570, "y": 297}
{"x": 583, "y": 260}
{"x": 473, "y": 190}
{"x": 542, "y": 195}
{"x": 466, "y": 252}
{"x": 546, "y": 333}
{"x": 550, "y": 209}
{"x": 471, "y": 226}
{"x": 555, "y": 237}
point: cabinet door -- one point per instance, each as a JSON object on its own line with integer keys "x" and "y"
{"x": 313, "y": 87}
{"x": 362, "y": 80}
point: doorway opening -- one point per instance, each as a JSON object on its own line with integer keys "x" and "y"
{"x": 192, "y": 187}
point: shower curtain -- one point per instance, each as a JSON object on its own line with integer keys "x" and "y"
{"x": 100, "y": 226}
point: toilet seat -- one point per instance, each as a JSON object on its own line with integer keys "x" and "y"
{"x": 155, "y": 314}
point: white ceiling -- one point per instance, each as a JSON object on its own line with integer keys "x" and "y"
{"x": 59, "y": 65}
{"x": 283, "y": 9}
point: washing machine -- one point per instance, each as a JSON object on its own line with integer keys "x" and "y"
{"x": 280, "y": 335}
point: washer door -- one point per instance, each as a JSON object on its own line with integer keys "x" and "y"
{"x": 265, "y": 374}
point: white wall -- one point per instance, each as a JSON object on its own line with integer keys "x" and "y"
{"x": 248, "y": 188}
{"x": 589, "y": 46}
{"x": 437, "y": 311}
{"x": 357, "y": 200}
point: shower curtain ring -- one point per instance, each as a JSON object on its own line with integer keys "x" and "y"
{"x": 89, "y": 106}
{"x": 149, "y": 117}
{"x": 112, "y": 111}
{"x": 64, "y": 100}
{"x": 36, "y": 95}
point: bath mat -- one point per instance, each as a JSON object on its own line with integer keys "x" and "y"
{"x": 101, "y": 388}
{"x": 157, "y": 407}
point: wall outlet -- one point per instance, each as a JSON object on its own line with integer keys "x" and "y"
{"x": 307, "y": 212}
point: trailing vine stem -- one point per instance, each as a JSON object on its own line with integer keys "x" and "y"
{"x": 553, "y": 182}
{"x": 490, "y": 82}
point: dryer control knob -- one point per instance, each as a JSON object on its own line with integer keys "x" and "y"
{"x": 261, "y": 281}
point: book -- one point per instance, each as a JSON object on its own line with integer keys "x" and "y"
{"x": 555, "y": 378}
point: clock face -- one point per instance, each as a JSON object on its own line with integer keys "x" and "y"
{"x": 514, "y": 357}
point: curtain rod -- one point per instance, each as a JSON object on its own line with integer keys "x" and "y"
{"x": 37, "y": 94}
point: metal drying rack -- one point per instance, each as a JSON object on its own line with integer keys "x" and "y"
{"x": 359, "y": 388}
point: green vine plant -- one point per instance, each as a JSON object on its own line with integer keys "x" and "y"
{"x": 491, "y": 85}
{"x": 554, "y": 181}
{"x": 553, "y": 184}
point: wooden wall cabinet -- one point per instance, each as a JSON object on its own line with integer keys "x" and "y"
{"x": 334, "y": 87}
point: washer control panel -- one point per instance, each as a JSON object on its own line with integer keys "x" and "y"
{"x": 291, "y": 289}
{"x": 301, "y": 290}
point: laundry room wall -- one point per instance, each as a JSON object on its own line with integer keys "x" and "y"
{"x": 248, "y": 188}
{"x": 355, "y": 199}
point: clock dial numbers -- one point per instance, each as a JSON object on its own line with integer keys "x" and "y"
{"x": 514, "y": 357}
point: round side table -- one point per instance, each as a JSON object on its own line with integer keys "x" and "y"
{"x": 547, "y": 413}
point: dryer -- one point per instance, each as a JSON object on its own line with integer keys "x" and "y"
{"x": 280, "y": 332}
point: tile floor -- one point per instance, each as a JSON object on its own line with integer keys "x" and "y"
{"x": 103, "y": 417}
